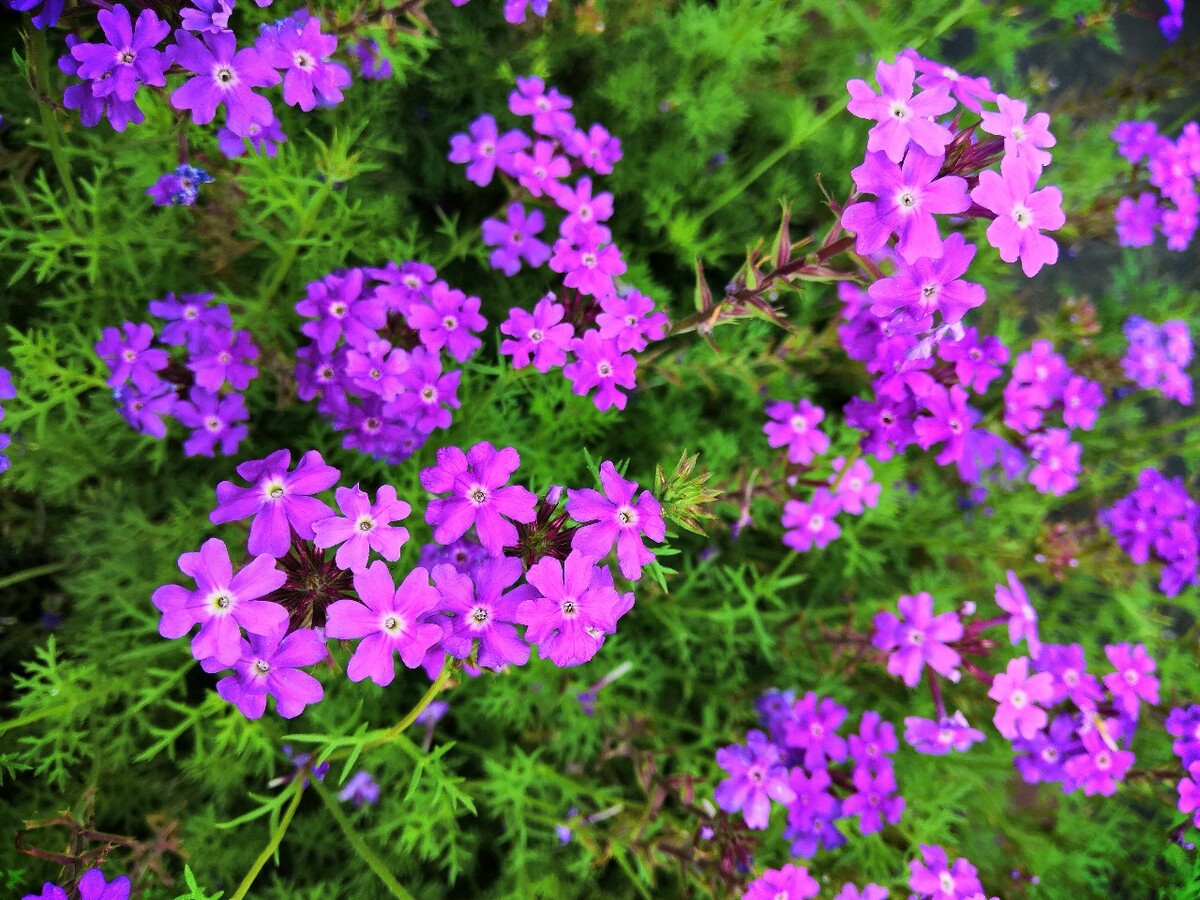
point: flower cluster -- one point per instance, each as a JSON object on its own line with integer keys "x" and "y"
{"x": 597, "y": 323}
{"x": 514, "y": 10}
{"x": 270, "y": 619}
{"x": 374, "y": 362}
{"x": 1172, "y": 168}
{"x": 179, "y": 188}
{"x": 1158, "y": 517}
{"x": 202, "y": 390}
{"x": 92, "y": 885}
{"x": 793, "y": 763}
{"x": 1183, "y": 724}
{"x": 1158, "y": 356}
{"x": 7, "y": 392}
{"x": 292, "y": 51}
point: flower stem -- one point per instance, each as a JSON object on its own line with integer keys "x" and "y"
{"x": 360, "y": 846}
{"x": 40, "y": 71}
{"x": 448, "y": 669}
{"x": 272, "y": 845}
{"x": 26, "y": 574}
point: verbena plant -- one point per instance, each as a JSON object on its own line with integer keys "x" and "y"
{"x": 616, "y": 448}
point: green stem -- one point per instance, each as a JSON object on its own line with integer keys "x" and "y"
{"x": 285, "y": 263}
{"x": 448, "y": 669}
{"x": 26, "y": 574}
{"x": 273, "y": 845}
{"x": 360, "y": 846}
{"x": 41, "y": 69}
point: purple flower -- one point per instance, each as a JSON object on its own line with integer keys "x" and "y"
{"x": 630, "y": 320}
{"x": 207, "y": 16}
{"x": 811, "y": 813}
{"x": 576, "y": 606}
{"x": 480, "y": 610}
{"x": 1022, "y": 139}
{"x": 583, "y": 210}
{"x": 269, "y": 666}
{"x": 1171, "y": 24}
{"x": 917, "y": 638}
{"x": 795, "y": 425}
{"x": 130, "y": 357}
{"x": 1136, "y": 220}
{"x": 47, "y": 18}
{"x": 1067, "y": 667}
{"x": 143, "y": 410}
{"x": 213, "y": 419}
{"x": 595, "y": 148}
{"x": 485, "y": 150}
{"x": 969, "y": 91}
{"x": 939, "y": 738}
{"x": 874, "y": 800}
{"x": 1184, "y": 724}
{"x": 1057, "y": 459}
{"x": 950, "y": 422}
{"x": 908, "y": 197}
{"x": 1100, "y": 766}
{"x": 875, "y": 740}
{"x": 360, "y": 789}
{"x": 599, "y": 363}
{"x": 901, "y": 117}
{"x": 222, "y": 602}
{"x": 363, "y": 527}
{"x": 224, "y": 75}
{"x": 540, "y": 171}
{"x": 1132, "y": 682}
{"x": 811, "y": 523}
{"x": 92, "y": 886}
{"x": 1022, "y": 621}
{"x": 618, "y": 518}
{"x": 224, "y": 355}
{"x": 276, "y": 499}
{"x": 587, "y": 265}
{"x": 303, "y": 55}
{"x": 976, "y": 363}
{"x": 1082, "y": 400}
{"x": 514, "y": 10}
{"x": 854, "y": 489}
{"x": 188, "y": 316}
{"x": 515, "y": 240}
{"x": 910, "y": 297}
{"x": 1018, "y": 693}
{"x": 179, "y": 188}
{"x": 1044, "y": 757}
{"x": 934, "y": 877}
{"x": 129, "y": 58}
{"x": 388, "y": 619}
{"x": 428, "y": 395}
{"x": 480, "y": 496}
{"x": 548, "y": 108}
{"x": 812, "y": 727}
{"x": 1135, "y": 139}
{"x": 372, "y": 64}
{"x": 1021, "y": 214}
{"x": 376, "y": 369}
{"x": 264, "y": 139}
{"x": 542, "y": 335}
{"x": 869, "y": 892}
{"x": 756, "y": 777}
{"x": 789, "y": 883}
{"x": 446, "y": 319}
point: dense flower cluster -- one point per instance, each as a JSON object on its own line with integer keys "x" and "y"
{"x": 1158, "y": 356}
{"x": 595, "y": 327}
{"x": 374, "y": 362}
{"x": 92, "y": 885}
{"x": 1172, "y": 168}
{"x": 201, "y": 390}
{"x": 1159, "y": 518}
{"x": 269, "y": 620}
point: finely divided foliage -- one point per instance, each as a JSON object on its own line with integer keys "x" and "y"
{"x": 351, "y": 349}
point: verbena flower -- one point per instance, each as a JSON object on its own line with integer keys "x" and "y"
{"x": 129, "y": 356}
{"x": 92, "y": 885}
{"x": 938, "y": 738}
{"x": 180, "y": 187}
{"x": 269, "y": 666}
{"x": 129, "y": 58}
{"x": 214, "y": 419}
{"x": 812, "y": 523}
{"x": 811, "y": 813}
{"x": 908, "y": 299}
{"x": 547, "y": 107}
{"x": 600, "y": 364}
{"x": 480, "y": 608}
{"x": 902, "y": 118}
{"x": 280, "y": 501}
{"x": 868, "y": 892}
{"x": 794, "y": 425}
{"x": 874, "y": 800}
{"x": 485, "y": 149}
{"x": 515, "y": 239}
{"x": 224, "y": 76}
{"x": 1018, "y": 694}
{"x": 812, "y": 728}
{"x": 540, "y": 337}
{"x": 1023, "y": 139}
{"x": 788, "y": 883}
{"x": 854, "y": 489}
{"x": 934, "y": 877}
{"x": 303, "y": 55}
{"x": 224, "y": 355}
{"x": 918, "y": 638}
{"x": 361, "y": 789}
{"x": 388, "y": 620}
{"x": 1022, "y": 214}
{"x": 363, "y": 527}
{"x": 264, "y": 139}
{"x": 207, "y": 16}
{"x": 448, "y": 318}
{"x": 756, "y": 777}
{"x": 1131, "y": 682}
{"x": 595, "y": 148}
{"x": 618, "y": 517}
{"x": 630, "y": 319}
{"x": 1022, "y": 621}
{"x": 187, "y": 316}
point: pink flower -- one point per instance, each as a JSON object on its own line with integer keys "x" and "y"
{"x": 1018, "y": 692}
{"x": 1021, "y": 139}
{"x": 363, "y": 527}
{"x": 542, "y": 336}
{"x": 902, "y": 118}
{"x": 1021, "y": 214}
{"x": 618, "y": 519}
{"x": 1022, "y": 622}
{"x": 917, "y": 638}
{"x": 811, "y": 523}
{"x": 599, "y": 363}
{"x": 795, "y": 425}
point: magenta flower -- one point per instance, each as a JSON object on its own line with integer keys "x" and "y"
{"x": 213, "y": 419}
{"x": 363, "y": 527}
{"x": 1057, "y": 459}
{"x": 938, "y": 738}
{"x": 428, "y": 395}
{"x": 1067, "y": 666}
{"x": 595, "y": 148}
{"x": 540, "y": 171}
{"x": 278, "y": 500}
{"x": 618, "y": 518}
{"x": 908, "y": 198}
{"x": 812, "y": 523}
{"x": 143, "y": 410}
{"x": 1101, "y": 766}
{"x": 1022, "y": 139}
{"x": 224, "y": 355}
{"x": 1021, "y": 214}
{"x": 598, "y": 363}
{"x": 756, "y": 777}
{"x": 910, "y": 297}
{"x": 269, "y": 666}
{"x": 387, "y": 619}
{"x": 341, "y": 310}
{"x": 1136, "y": 220}
{"x": 1189, "y": 792}
{"x": 188, "y": 316}
{"x": 917, "y": 637}
{"x": 92, "y": 886}
{"x": 870, "y": 891}
{"x": 854, "y": 488}
{"x": 480, "y": 496}
{"x": 377, "y": 369}
{"x": 447, "y": 319}
{"x": 485, "y": 150}
{"x": 514, "y": 10}
{"x": 631, "y": 321}
{"x": 516, "y": 239}
{"x": 795, "y": 425}
{"x": 548, "y": 108}
{"x": 576, "y": 606}
{"x": 1135, "y": 139}
{"x": 541, "y": 336}
{"x": 976, "y": 362}
{"x": 482, "y": 611}
{"x": 950, "y": 421}
{"x": 224, "y": 75}
{"x": 966, "y": 89}
{"x": 789, "y": 883}
{"x": 1022, "y": 621}
{"x": 210, "y": 16}
{"x": 874, "y": 800}
{"x": 933, "y": 876}
{"x": 303, "y": 56}
{"x": 129, "y": 57}
{"x": 587, "y": 265}
{"x": 581, "y": 207}
{"x": 812, "y": 727}
{"x": 131, "y": 357}
{"x": 901, "y": 117}
{"x": 222, "y": 602}
{"x": 1132, "y": 682}
{"x": 1018, "y": 694}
